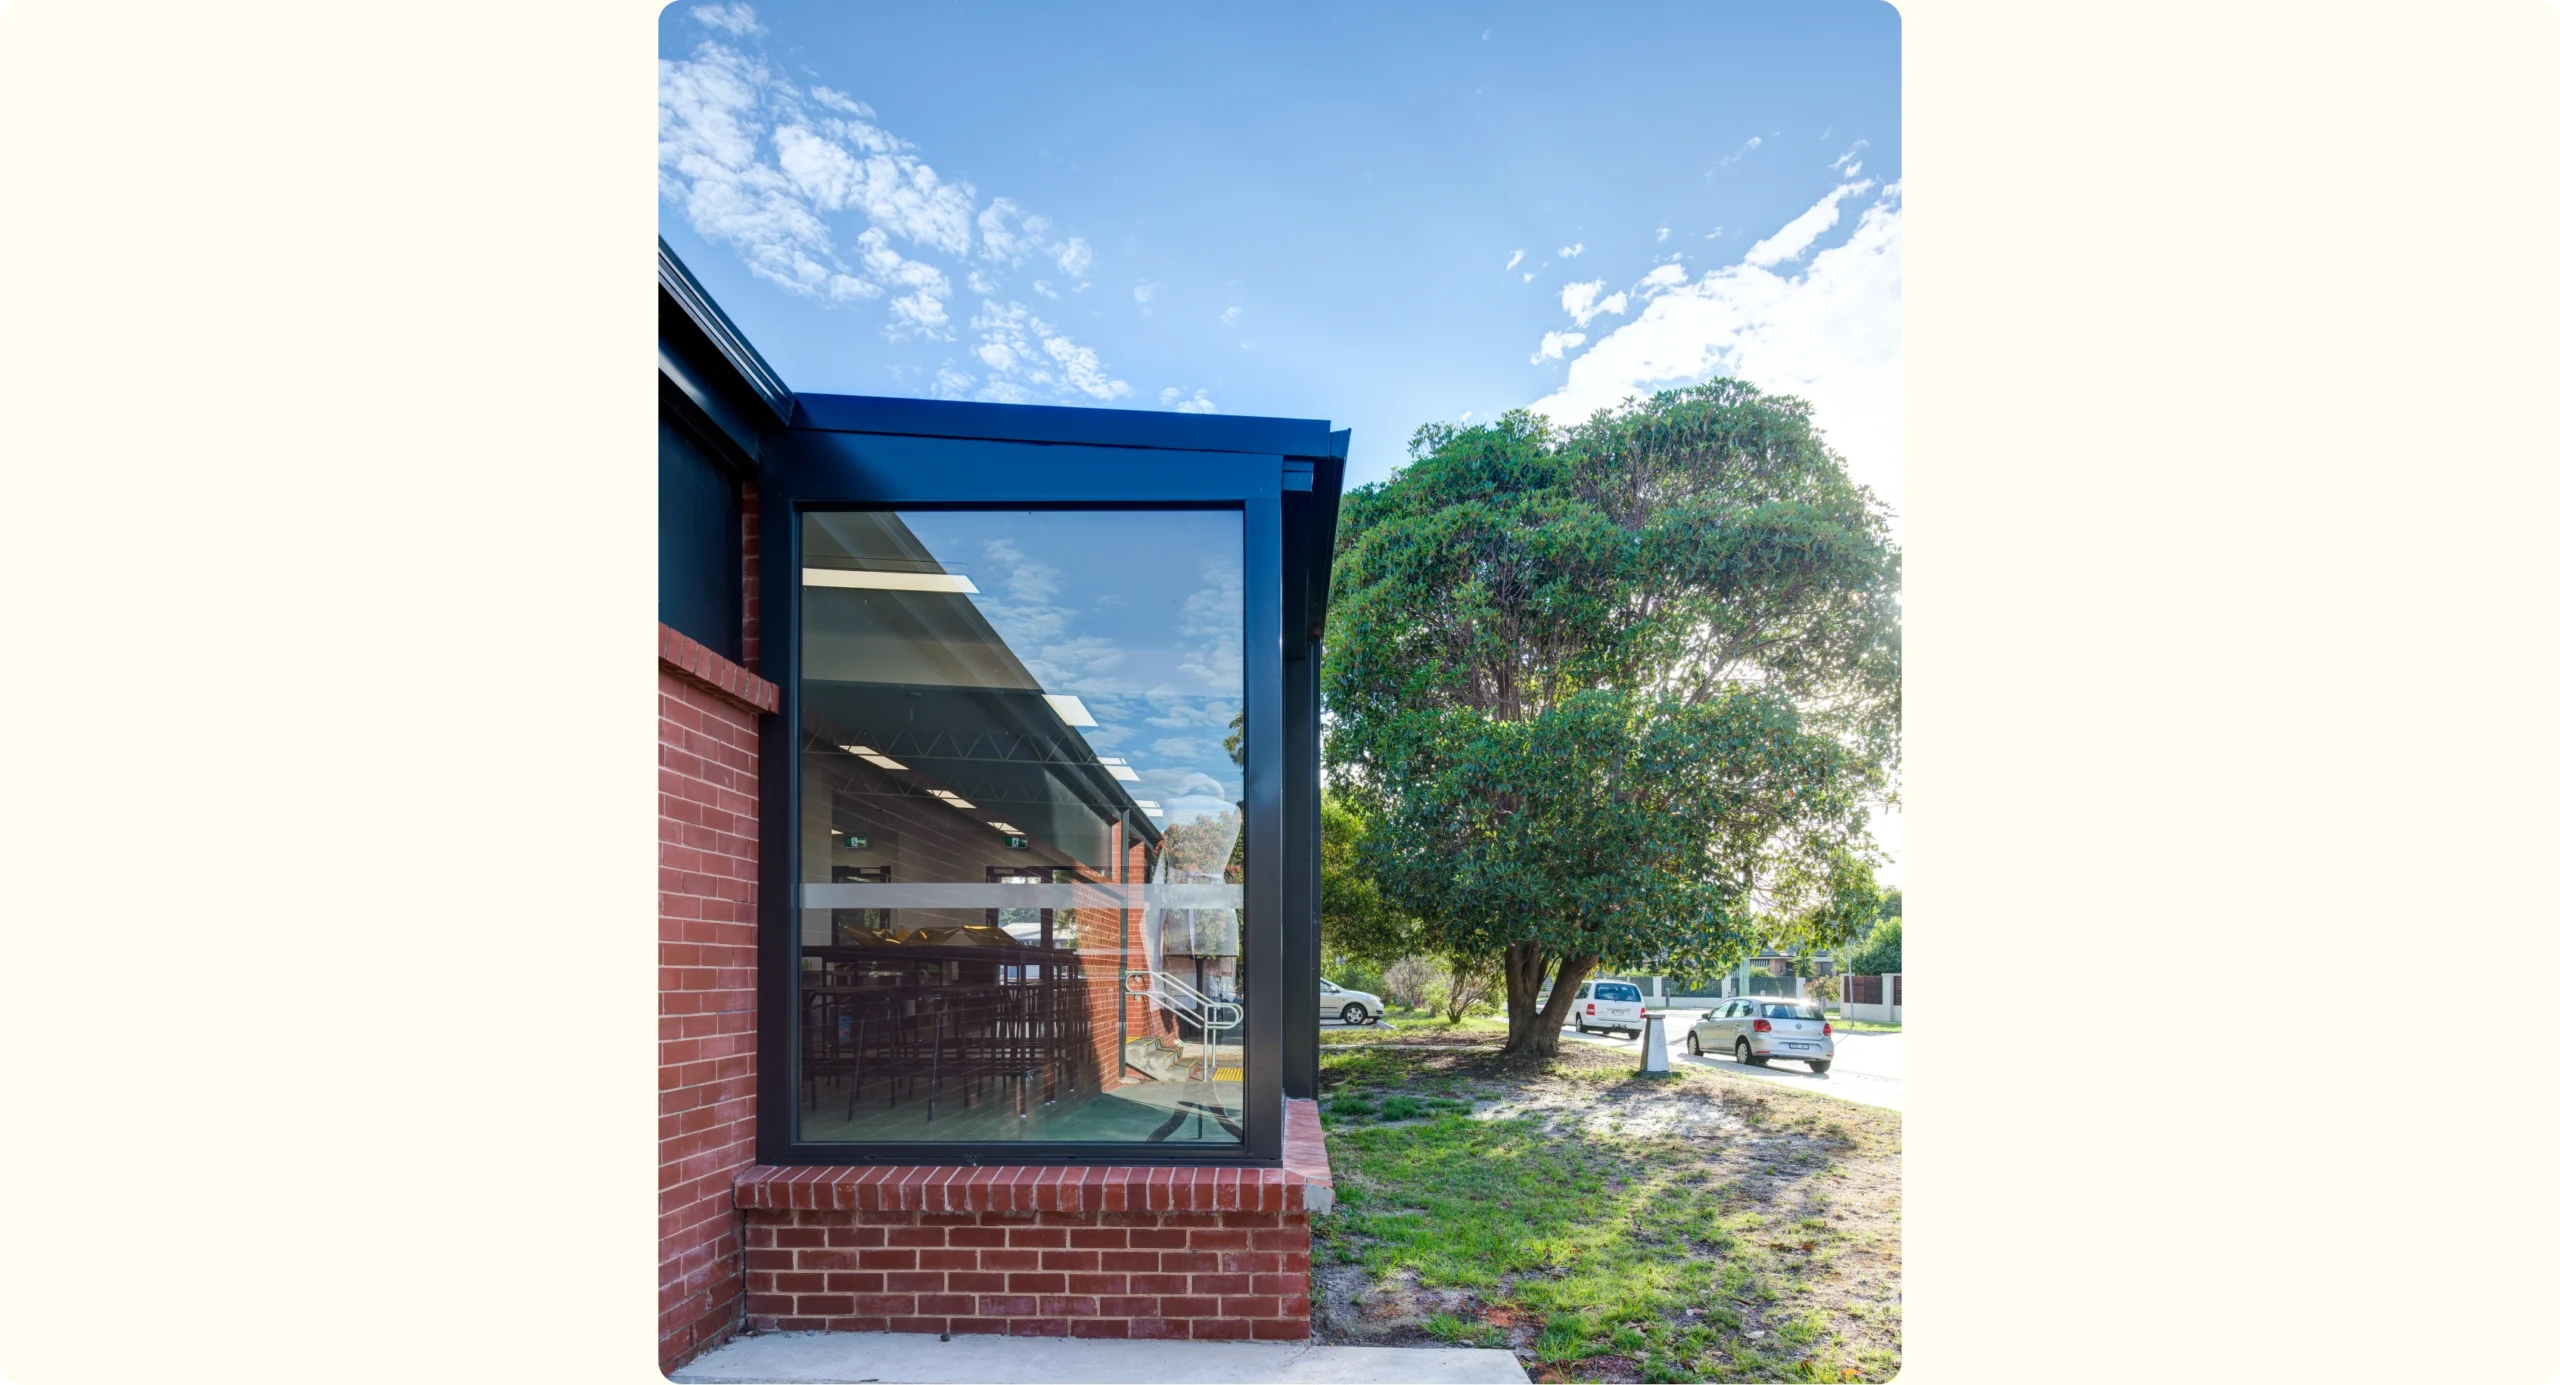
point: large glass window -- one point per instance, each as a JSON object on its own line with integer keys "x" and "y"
{"x": 1021, "y": 824}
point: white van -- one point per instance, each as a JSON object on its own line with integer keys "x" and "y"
{"x": 1609, "y": 1004}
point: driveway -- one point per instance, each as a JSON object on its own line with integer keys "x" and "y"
{"x": 1865, "y": 1068}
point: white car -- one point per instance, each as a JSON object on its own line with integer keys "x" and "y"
{"x": 1607, "y": 1004}
{"x": 1760, "y": 1028}
{"x": 1350, "y": 1007}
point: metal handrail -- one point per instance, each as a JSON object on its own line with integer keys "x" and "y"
{"x": 1212, "y": 1014}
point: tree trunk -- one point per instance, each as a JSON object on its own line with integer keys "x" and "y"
{"x": 1535, "y": 1032}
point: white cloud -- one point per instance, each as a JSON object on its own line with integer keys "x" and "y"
{"x": 1830, "y": 334}
{"x": 710, "y": 112}
{"x": 1848, "y": 156}
{"x": 1074, "y": 257}
{"x": 1041, "y": 287}
{"x": 1215, "y": 614}
{"x": 1191, "y": 793}
{"x": 1736, "y": 156}
{"x": 1083, "y": 369}
{"x": 1583, "y": 301}
{"x": 736, "y": 19}
{"x": 1568, "y": 252}
{"x": 1198, "y": 403}
{"x": 921, "y": 309}
{"x": 1145, "y": 294}
{"x": 982, "y": 284}
{"x": 758, "y": 165}
{"x": 1515, "y": 259}
{"x": 835, "y": 100}
{"x": 1553, "y": 345}
{"x": 1663, "y": 277}
{"x": 1231, "y": 314}
{"x": 1007, "y": 233}
{"x": 1711, "y": 235}
{"x": 1527, "y": 277}
{"x": 1661, "y": 233}
{"x": 1798, "y": 236}
{"x": 893, "y": 190}
{"x": 1174, "y": 711}
{"x": 1026, "y": 359}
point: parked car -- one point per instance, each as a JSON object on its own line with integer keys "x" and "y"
{"x": 1604, "y": 1004}
{"x": 1350, "y": 1007}
{"x": 1760, "y": 1028}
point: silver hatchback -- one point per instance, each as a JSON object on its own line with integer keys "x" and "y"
{"x": 1765, "y": 1027}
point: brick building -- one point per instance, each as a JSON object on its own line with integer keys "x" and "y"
{"x": 987, "y": 859}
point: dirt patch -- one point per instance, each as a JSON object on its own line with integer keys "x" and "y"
{"x": 1697, "y": 1227}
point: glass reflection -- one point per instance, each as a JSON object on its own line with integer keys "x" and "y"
{"x": 1021, "y": 826}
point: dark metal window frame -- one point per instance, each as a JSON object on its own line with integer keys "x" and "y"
{"x": 845, "y": 453}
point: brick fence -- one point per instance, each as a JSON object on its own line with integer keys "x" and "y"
{"x": 707, "y": 710}
{"x": 1038, "y": 1250}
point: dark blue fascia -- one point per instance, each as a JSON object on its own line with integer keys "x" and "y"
{"x": 1044, "y": 423}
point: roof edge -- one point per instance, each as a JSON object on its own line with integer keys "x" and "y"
{"x": 679, "y": 284}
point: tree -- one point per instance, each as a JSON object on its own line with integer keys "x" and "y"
{"x": 1356, "y": 922}
{"x": 1616, "y": 694}
{"x": 1883, "y": 950}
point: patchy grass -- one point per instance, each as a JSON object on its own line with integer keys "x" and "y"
{"x": 1412, "y": 1025}
{"x": 1691, "y": 1227}
{"x": 1850, "y": 1026}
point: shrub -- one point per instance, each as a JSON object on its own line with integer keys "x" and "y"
{"x": 1883, "y": 950}
{"x": 1411, "y": 980}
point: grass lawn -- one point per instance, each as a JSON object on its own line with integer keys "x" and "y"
{"x": 1847, "y": 1026}
{"x": 1694, "y": 1226}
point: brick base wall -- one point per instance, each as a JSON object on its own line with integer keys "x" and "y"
{"x": 1039, "y": 1250}
{"x": 1209, "y": 1275}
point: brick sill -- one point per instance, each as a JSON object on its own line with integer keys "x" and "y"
{"x": 1302, "y": 1183}
{"x": 695, "y": 660}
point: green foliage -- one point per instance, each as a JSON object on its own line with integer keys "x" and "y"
{"x": 1615, "y": 826}
{"x": 1358, "y": 926}
{"x": 1616, "y": 694}
{"x": 1883, "y": 950}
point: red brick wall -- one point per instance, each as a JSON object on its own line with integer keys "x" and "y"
{"x": 1232, "y": 1275}
{"x": 707, "y": 710}
{"x": 1039, "y": 1251}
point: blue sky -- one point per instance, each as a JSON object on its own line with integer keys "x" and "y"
{"x": 1379, "y": 214}
{"x": 1383, "y": 215}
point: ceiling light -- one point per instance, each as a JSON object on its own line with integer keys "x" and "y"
{"x": 1070, "y": 709}
{"x": 950, "y": 582}
{"x": 884, "y": 762}
{"x": 1007, "y": 828}
{"x": 1122, "y": 773}
{"x": 951, "y": 798}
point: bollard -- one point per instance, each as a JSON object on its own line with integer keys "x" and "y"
{"x": 1657, "y": 1047}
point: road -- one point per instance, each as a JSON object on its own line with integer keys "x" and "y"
{"x": 1865, "y": 1067}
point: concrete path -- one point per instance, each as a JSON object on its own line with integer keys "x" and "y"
{"x": 1865, "y": 1067}
{"x": 902, "y": 1358}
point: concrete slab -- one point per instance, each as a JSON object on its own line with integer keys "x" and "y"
{"x": 903, "y": 1358}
